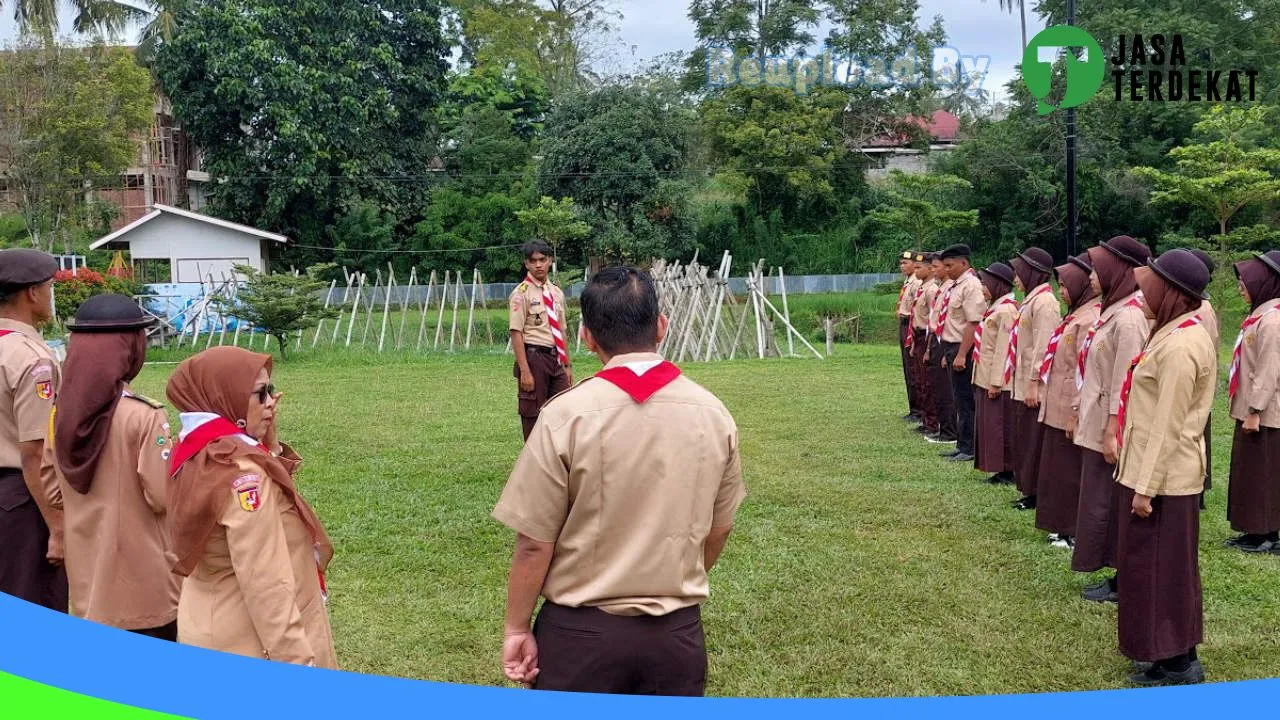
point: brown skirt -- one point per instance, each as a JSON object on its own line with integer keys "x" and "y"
{"x": 1058, "y": 494}
{"x": 994, "y": 425}
{"x": 1253, "y": 497}
{"x": 1161, "y": 613}
{"x": 1026, "y": 448}
{"x": 1095, "y": 517}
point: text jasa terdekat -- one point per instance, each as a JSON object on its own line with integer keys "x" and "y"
{"x": 1155, "y": 69}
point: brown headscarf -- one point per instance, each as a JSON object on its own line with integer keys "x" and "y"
{"x": 220, "y": 381}
{"x": 1168, "y": 301}
{"x": 1261, "y": 281}
{"x": 1076, "y": 281}
{"x": 93, "y": 378}
{"x": 994, "y": 284}
{"x": 1114, "y": 275}
{"x": 1031, "y": 278}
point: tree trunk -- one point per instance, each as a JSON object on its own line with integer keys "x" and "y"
{"x": 1222, "y": 235}
{"x": 1022, "y": 11}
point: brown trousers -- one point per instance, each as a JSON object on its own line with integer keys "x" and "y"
{"x": 549, "y": 380}
{"x": 588, "y": 650}
{"x": 25, "y": 572}
{"x": 924, "y": 385}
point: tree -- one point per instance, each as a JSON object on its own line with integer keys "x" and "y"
{"x": 918, "y": 209}
{"x": 1224, "y": 173}
{"x": 69, "y": 118}
{"x": 304, "y": 109}
{"x": 758, "y": 28}
{"x": 41, "y": 16}
{"x": 554, "y": 221}
{"x": 1008, "y": 5}
{"x": 280, "y": 304}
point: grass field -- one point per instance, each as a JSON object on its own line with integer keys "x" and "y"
{"x": 861, "y": 565}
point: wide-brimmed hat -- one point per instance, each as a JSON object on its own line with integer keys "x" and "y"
{"x": 1271, "y": 259}
{"x": 22, "y": 267}
{"x": 109, "y": 313}
{"x": 1001, "y": 271}
{"x": 1082, "y": 261}
{"x": 1129, "y": 250}
{"x": 1183, "y": 270}
{"x": 1037, "y": 258}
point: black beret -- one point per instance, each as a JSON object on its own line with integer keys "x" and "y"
{"x": 110, "y": 313}
{"x": 21, "y": 268}
{"x": 955, "y": 251}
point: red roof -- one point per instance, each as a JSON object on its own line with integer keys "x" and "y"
{"x": 942, "y": 127}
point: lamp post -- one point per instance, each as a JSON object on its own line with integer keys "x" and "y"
{"x": 1072, "y": 219}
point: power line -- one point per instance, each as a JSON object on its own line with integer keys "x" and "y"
{"x": 407, "y": 252}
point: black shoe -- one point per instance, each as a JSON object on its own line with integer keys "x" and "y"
{"x": 1262, "y": 548}
{"x": 948, "y": 453}
{"x": 1026, "y": 503}
{"x": 961, "y": 457}
{"x": 940, "y": 439}
{"x": 997, "y": 479}
{"x": 1239, "y": 540}
{"x": 1157, "y": 676}
{"x": 921, "y": 429}
{"x": 1103, "y": 592}
{"x": 911, "y": 417}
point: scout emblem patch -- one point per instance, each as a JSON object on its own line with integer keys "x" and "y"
{"x": 44, "y": 389}
{"x": 246, "y": 489}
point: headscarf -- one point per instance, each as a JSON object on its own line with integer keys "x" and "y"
{"x": 220, "y": 381}
{"x": 1076, "y": 281}
{"x": 1261, "y": 281}
{"x": 1114, "y": 275}
{"x": 994, "y": 285}
{"x": 98, "y": 366}
{"x": 1031, "y": 277}
{"x": 1167, "y": 300}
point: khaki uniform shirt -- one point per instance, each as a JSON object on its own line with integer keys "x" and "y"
{"x": 1169, "y": 403}
{"x": 1036, "y": 326}
{"x": 1115, "y": 345}
{"x": 922, "y": 308}
{"x": 988, "y": 373}
{"x": 256, "y": 590}
{"x": 935, "y": 308}
{"x": 628, "y": 493}
{"x": 905, "y": 300}
{"x": 966, "y": 308}
{"x": 116, "y": 539}
{"x": 1060, "y": 396}
{"x": 529, "y": 314}
{"x": 1210, "y": 318}
{"x": 30, "y": 375}
{"x": 1259, "y": 374}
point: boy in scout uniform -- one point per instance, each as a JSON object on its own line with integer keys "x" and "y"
{"x": 926, "y": 292}
{"x": 30, "y": 503}
{"x": 111, "y": 449}
{"x": 537, "y": 327}
{"x": 622, "y": 500}
{"x": 962, "y": 308}
{"x": 907, "y": 266}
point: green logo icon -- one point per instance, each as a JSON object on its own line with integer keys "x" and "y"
{"x": 1083, "y": 77}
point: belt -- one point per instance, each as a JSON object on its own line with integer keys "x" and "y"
{"x": 541, "y": 349}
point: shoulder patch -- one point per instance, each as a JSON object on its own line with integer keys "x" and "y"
{"x": 143, "y": 398}
{"x": 522, "y": 287}
{"x": 247, "y": 489}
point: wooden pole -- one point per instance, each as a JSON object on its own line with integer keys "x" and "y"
{"x": 484, "y": 304}
{"x": 786, "y": 311}
{"x": 828, "y": 325}
{"x": 457, "y": 297}
{"x": 328, "y": 298}
{"x": 386, "y": 305}
{"x": 355, "y": 307}
{"x": 370, "y": 306}
{"x": 471, "y": 308}
{"x": 404, "y": 306}
{"x": 444, "y": 298}
{"x": 426, "y": 303}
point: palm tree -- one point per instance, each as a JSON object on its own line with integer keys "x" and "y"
{"x": 1007, "y": 6}
{"x": 109, "y": 16}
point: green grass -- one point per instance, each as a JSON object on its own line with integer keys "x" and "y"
{"x": 861, "y": 565}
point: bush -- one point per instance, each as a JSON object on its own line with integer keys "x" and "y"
{"x": 70, "y": 291}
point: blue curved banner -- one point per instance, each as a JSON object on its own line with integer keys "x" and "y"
{"x": 55, "y": 651}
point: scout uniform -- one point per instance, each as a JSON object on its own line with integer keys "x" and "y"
{"x": 1058, "y": 488}
{"x": 1038, "y": 315}
{"x": 28, "y": 515}
{"x": 925, "y": 295}
{"x": 626, "y": 474}
{"x": 939, "y": 373}
{"x": 116, "y": 540}
{"x": 964, "y": 307}
{"x": 531, "y": 317}
{"x": 1102, "y": 365}
{"x": 1169, "y": 390}
{"x": 994, "y": 416}
{"x": 906, "y": 296}
{"x": 1253, "y": 497}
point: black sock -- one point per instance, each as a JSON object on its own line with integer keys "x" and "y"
{"x": 1192, "y": 655}
{"x": 1178, "y": 664}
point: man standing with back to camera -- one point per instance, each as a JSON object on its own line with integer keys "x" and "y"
{"x": 542, "y": 368}
{"x": 622, "y": 501}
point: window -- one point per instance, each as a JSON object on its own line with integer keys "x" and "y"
{"x": 149, "y": 271}
{"x": 134, "y": 182}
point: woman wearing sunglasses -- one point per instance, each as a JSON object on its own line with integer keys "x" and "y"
{"x": 252, "y": 550}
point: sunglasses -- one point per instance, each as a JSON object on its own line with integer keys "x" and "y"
{"x": 267, "y": 391}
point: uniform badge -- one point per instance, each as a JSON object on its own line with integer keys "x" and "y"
{"x": 164, "y": 454}
{"x": 42, "y": 371}
{"x": 247, "y": 491}
{"x": 44, "y": 389}
{"x": 160, "y": 440}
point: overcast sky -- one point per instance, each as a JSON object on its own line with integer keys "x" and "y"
{"x": 653, "y": 27}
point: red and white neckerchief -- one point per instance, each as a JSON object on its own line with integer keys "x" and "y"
{"x": 1054, "y": 340}
{"x": 1011, "y": 356}
{"x": 641, "y": 386}
{"x": 902, "y": 294}
{"x": 946, "y": 300}
{"x": 919, "y": 293}
{"x": 977, "y": 333}
{"x": 935, "y": 309}
{"x": 553, "y": 320}
{"x": 9, "y": 332}
{"x": 1233, "y": 384}
{"x": 1135, "y": 301}
{"x": 1128, "y": 378}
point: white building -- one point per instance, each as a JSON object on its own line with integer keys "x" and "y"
{"x": 171, "y": 246}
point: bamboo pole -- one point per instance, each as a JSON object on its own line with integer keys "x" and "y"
{"x": 457, "y": 297}
{"x": 444, "y": 298}
{"x": 426, "y": 304}
{"x": 404, "y": 306}
{"x": 328, "y": 298}
{"x": 371, "y": 307}
{"x": 786, "y": 312}
{"x": 386, "y": 305}
{"x": 355, "y": 306}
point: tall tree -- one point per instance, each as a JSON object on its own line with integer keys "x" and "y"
{"x": 69, "y": 118}
{"x": 758, "y": 28}
{"x": 41, "y": 16}
{"x": 919, "y": 208}
{"x": 1021, "y": 5}
{"x": 305, "y": 109}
